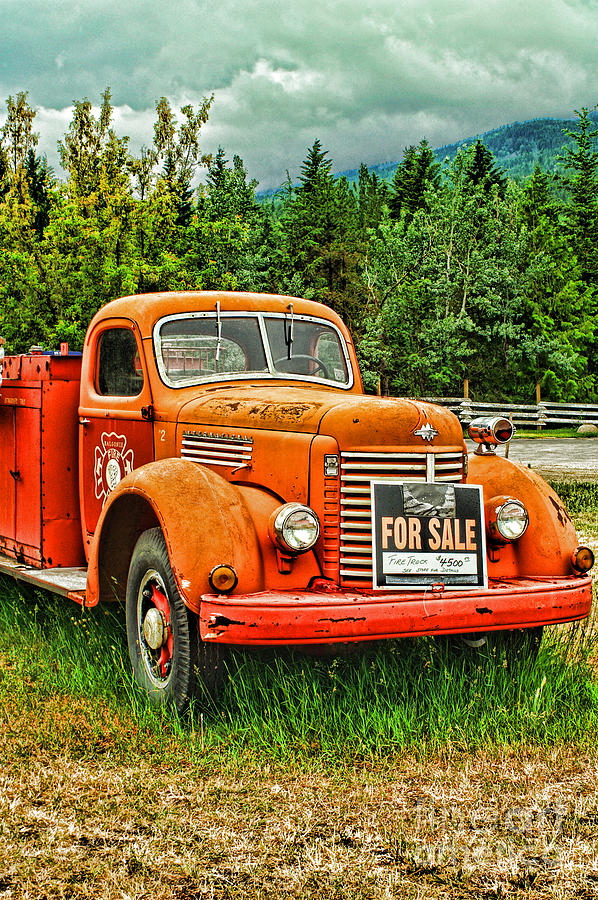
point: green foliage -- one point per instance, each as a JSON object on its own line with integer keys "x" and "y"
{"x": 415, "y": 175}
{"x": 521, "y": 146}
{"x": 449, "y": 272}
{"x": 579, "y": 497}
{"x": 17, "y": 136}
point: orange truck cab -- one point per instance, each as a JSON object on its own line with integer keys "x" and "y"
{"x": 211, "y": 460}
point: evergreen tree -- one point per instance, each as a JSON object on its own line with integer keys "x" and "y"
{"x": 315, "y": 175}
{"x": 217, "y": 170}
{"x": 319, "y": 232}
{"x": 40, "y": 181}
{"x": 483, "y": 170}
{"x": 372, "y": 194}
{"x": 580, "y": 163}
{"x": 417, "y": 173}
{"x": 538, "y": 201}
{"x": 229, "y": 247}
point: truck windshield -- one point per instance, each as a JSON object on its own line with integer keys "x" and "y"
{"x": 195, "y": 348}
{"x": 199, "y": 347}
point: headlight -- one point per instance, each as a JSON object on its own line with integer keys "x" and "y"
{"x": 294, "y": 528}
{"x": 507, "y": 519}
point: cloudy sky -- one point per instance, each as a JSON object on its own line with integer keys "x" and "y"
{"x": 366, "y": 77}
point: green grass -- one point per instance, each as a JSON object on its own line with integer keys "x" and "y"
{"x": 414, "y": 695}
{"x": 580, "y": 497}
{"x": 523, "y": 432}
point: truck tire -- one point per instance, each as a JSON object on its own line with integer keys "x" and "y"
{"x": 171, "y": 664}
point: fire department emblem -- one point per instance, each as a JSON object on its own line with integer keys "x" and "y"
{"x": 113, "y": 461}
{"x": 427, "y": 432}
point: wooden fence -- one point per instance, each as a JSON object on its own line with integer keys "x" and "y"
{"x": 539, "y": 415}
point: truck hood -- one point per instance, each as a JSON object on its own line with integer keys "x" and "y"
{"x": 353, "y": 419}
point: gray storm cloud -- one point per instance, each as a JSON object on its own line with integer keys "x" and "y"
{"x": 367, "y": 78}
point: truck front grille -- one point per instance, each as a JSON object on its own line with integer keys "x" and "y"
{"x": 357, "y": 472}
{"x": 234, "y": 452}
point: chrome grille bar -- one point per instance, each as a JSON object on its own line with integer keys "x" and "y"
{"x": 233, "y": 452}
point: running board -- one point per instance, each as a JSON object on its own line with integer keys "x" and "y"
{"x": 66, "y": 582}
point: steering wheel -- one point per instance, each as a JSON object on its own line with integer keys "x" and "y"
{"x": 321, "y": 366}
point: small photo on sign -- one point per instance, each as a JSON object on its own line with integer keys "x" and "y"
{"x": 428, "y": 534}
{"x": 429, "y": 500}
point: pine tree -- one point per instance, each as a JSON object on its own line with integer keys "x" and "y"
{"x": 483, "y": 169}
{"x": 372, "y": 194}
{"x": 417, "y": 173}
{"x": 401, "y": 182}
{"x": 40, "y": 182}
{"x": 217, "y": 169}
{"x": 315, "y": 170}
{"x": 538, "y": 198}
{"x": 580, "y": 163}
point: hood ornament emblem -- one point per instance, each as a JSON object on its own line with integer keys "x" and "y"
{"x": 427, "y": 432}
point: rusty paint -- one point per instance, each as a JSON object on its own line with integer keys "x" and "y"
{"x": 224, "y": 622}
{"x": 345, "y": 619}
{"x": 205, "y": 520}
{"x": 561, "y": 512}
{"x": 547, "y": 545}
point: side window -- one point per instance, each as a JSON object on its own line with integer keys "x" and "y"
{"x": 119, "y": 368}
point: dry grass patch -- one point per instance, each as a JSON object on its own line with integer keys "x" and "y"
{"x": 520, "y": 825}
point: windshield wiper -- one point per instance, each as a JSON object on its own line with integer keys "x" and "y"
{"x": 218, "y": 330}
{"x": 291, "y": 335}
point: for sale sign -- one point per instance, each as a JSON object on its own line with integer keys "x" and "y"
{"x": 425, "y": 534}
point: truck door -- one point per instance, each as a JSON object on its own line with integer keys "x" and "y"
{"x": 115, "y": 413}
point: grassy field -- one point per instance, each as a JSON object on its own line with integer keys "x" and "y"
{"x": 548, "y": 433}
{"x": 407, "y": 772}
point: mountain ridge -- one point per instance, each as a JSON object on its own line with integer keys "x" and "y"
{"x": 517, "y": 147}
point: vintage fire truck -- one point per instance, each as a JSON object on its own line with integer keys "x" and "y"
{"x": 211, "y": 461}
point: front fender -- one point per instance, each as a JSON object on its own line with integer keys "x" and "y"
{"x": 550, "y": 539}
{"x": 205, "y": 521}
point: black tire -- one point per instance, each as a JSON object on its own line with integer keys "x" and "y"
{"x": 171, "y": 665}
{"x": 513, "y": 646}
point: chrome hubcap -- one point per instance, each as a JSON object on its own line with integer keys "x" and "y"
{"x": 155, "y": 630}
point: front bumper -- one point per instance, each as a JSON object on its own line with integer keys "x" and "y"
{"x": 302, "y": 617}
